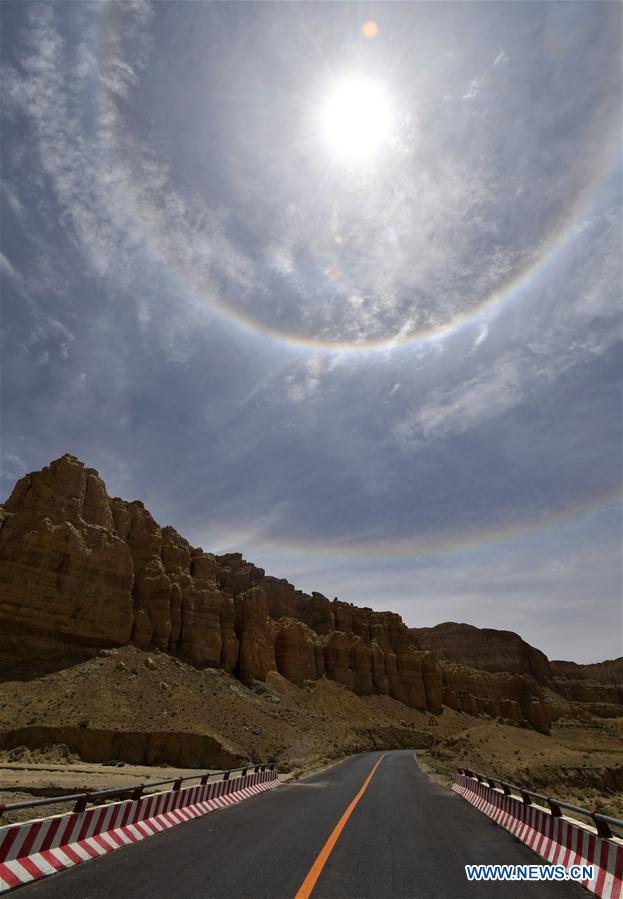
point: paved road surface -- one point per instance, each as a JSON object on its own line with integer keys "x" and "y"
{"x": 405, "y": 839}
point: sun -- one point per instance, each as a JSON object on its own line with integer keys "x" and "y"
{"x": 356, "y": 117}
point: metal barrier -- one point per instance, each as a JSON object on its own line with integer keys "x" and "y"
{"x": 602, "y": 823}
{"x": 39, "y": 847}
{"x": 136, "y": 790}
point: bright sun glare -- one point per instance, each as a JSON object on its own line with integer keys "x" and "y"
{"x": 356, "y": 117}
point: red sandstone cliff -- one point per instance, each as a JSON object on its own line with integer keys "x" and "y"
{"x": 484, "y": 648}
{"x": 478, "y": 664}
{"x": 78, "y": 566}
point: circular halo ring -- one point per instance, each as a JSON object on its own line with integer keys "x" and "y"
{"x": 558, "y": 239}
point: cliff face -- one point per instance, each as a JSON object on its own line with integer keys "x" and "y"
{"x": 599, "y": 683}
{"x": 484, "y": 648}
{"x": 479, "y": 665}
{"x": 513, "y": 698}
{"x": 78, "y": 566}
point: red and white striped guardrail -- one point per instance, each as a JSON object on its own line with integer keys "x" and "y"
{"x": 557, "y": 839}
{"x": 39, "y": 848}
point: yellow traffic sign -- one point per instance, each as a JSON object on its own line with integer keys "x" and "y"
{"x": 432, "y": 721}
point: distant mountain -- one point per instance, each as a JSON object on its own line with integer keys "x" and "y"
{"x": 484, "y": 648}
{"x": 599, "y": 685}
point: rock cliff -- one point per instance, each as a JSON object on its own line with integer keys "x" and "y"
{"x": 600, "y": 684}
{"x": 77, "y": 566}
{"x": 510, "y": 698}
{"x": 484, "y": 648}
{"x": 485, "y": 669}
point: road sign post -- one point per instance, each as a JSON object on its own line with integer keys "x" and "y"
{"x": 432, "y": 722}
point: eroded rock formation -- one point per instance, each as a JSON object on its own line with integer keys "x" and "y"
{"x": 512, "y": 698}
{"x": 502, "y": 675}
{"x": 484, "y": 648}
{"x": 598, "y": 686}
{"x": 79, "y": 566}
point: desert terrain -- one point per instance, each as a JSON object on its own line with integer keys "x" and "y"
{"x": 87, "y": 722}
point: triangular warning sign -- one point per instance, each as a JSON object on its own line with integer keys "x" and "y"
{"x": 432, "y": 721}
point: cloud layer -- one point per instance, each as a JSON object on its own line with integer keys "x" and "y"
{"x": 170, "y": 214}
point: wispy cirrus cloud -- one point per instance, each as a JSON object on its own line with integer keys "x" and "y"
{"x": 158, "y": 167}
{"x": 483, "y": 333}
{"x": 457, "y": 409}
{"x": 116, "y": 204}
{"x": 7, "y": 267}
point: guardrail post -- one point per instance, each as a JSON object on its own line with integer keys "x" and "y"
{"x": 506, "y": 788}
{"x": 554, "y": 808}
{"x": 468, "y": 773}
{"x": 138, "y": 792}
{"x": 491, "y": 782}
{"x": 479, "y": 778}
{"x": 603, "y": 828}
{"x": 177, "y": 784}
{"x": 204, "y": 779}
{"x": 256, "y": 769}
{"x": 2, "y": 808}
{"x": 226, "y": 775}
{"x": 526, "y": 797}
{"x": 81, "y": 804}
{"x": 243, "y": 772}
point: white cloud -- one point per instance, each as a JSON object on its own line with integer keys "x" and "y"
{"x": 13, "y": 199}
{"x": 499, "y": 59}
{"x": 483, "y": 333}
{"x": 118, "y": 206}
{"x": 473, "y": 90}
{"x": 7, "y": 266}
{"x": 573, "y": 316}
{"x": 420, "y": 237}
{"x": 457, "y": 409}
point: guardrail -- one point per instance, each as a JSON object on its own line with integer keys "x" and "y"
{"x": 39, "y": 847}
{"x": 136, "y": 791}
{"x": 602, "y": 823}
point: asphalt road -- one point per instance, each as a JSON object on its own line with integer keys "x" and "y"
{"x": 406, "y": 837}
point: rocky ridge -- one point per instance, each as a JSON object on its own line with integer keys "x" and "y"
{"x": 481, "y": 663}
{"x": 80, "y": 568}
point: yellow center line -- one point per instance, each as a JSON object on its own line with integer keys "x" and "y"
{"x": 316, "y": 869}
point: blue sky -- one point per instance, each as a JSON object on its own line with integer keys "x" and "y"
{"x": 394, "y": 377}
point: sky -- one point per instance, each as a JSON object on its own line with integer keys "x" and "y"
{"x": 347, "y": 304}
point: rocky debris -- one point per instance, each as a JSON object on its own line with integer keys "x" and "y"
{"x": 136, "y": 747}
{"x": 53, "y": 753}
{"x": 578, "y": 763}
